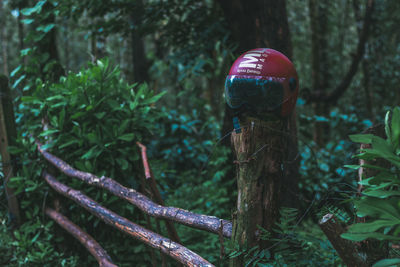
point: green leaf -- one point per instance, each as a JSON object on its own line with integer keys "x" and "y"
{"x": 36, "y": 9}
{"x": 27, "y": 21}
{"x": 370, "y": 227}
{"x": 354, "y": 167}
{"x": 387, "y": 125}
{"x": 18, "y": 81}
{"x": 49, "y": 132}
{"x": 25, "y": 52}
{"x": 12, "y": 74}
{"x": 362, "y": 236}
{"x": 154, "y": 98}
{"x": 127, "y": 137}
{"x": 395, "y": 127}
{"x": 387, "y": 263}
{"x": 123, "y": 163}
{"x": 381, "y": 193}
{"x": 46, "y": 28}
{"x": 361, "y": 138}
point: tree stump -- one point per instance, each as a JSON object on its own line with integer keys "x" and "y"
{"x": 259, "y": 150}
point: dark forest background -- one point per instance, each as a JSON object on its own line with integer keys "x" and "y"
{"x": 74, "y": 63}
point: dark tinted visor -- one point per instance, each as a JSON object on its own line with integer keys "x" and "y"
{"x": 256, "y": 92}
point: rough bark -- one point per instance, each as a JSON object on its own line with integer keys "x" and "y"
{"x": 260, "y": 152}
{"x": 167, "y": 246}
{"x": 198, "y": 221}
{"x": 7, "y": 138}
{"x": 346, "y": 249}
{"x": 91, "y": 245}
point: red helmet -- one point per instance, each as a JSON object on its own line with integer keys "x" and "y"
{"x": 262, "y": 81}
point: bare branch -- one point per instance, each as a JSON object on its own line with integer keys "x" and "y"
{"x": 146, "y": 166}
{"x": 334, "y": 95}
{"x": 346, "y": 249}
{"x": 91, "y": 245}
{"x": 194, "y": 220}
{"x": 167, "y": 246}
{"x": 151, "y": 182}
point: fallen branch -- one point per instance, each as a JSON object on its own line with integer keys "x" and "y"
{"x": 167, "y": 246}
{"x": 203, "y": 222}
{"x": 91, "y": 245}
{"x": 151, "y": 182}
{"x": 346, "y": 249}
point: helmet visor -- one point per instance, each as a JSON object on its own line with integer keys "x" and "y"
{"x": 258, "y": 93}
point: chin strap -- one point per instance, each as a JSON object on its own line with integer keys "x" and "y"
{"x": 236, "y": 125}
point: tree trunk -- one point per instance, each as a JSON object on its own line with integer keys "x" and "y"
{"x": 140, "y": 62}
{"x": 320, "y": 65}
{"x": 7, "y": 138}
{"x": 3, "y": 38}
{"x": 260, "y": 152}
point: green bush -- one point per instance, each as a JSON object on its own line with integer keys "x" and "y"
{"x": 93, "y": 120}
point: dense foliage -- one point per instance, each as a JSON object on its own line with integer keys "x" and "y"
{"x": 91, "y": 78}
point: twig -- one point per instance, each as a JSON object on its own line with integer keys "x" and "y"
{"x": 156, "y": 193}
{"x": 170, "y": 248}
{"x": 194, "y": 220}
{"x": 346, "y": 249}
{"x": 91, "y": 245}
{"x": 146, "y": 166}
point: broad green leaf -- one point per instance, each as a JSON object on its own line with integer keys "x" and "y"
{"x": 100, "y": 115}
{"x": 362, "y": 236}
{"x": 123, "y": 163}
{"x": 127, "y": 137}
{"x": 381, "y": 193}
{"x": 385, "y": 209}
{"x": 154, "y": 98}
{"x": 71, "y": 142}
{"x": 370, "y": 227}
{"x": 354, "y": 167}
{"x": 49, "y": 132}
{"x": 361, "y": 138}
{"x": 387, "y": 263}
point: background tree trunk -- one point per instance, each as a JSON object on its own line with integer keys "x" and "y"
{"x": 4, "y": 39}
{"x": 139, "y": 60}
{"x": 320, "y": 65}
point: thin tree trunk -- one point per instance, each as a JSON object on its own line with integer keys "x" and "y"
{"x": 320, "y": 65}
{"x": 4, "y": 39}
{"x": 7, "y": 138}
{"x": 139, "y": 60}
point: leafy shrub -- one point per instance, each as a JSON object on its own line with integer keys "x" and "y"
{"x": 380, "y": 199}
{"x": 93, "y": 120}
